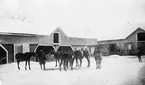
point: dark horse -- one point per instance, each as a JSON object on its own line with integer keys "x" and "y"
{"x": 41, "y": 58}
{"x": 65, "y": 59}
{"x": 24, "y": 57}
{"x": 98, "y": 58}
{"x": 80, "y": 55}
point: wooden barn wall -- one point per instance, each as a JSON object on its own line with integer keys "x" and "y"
{"x": 13, "y": 39}
{"x": 32, "y": 47}
{"x": 10, "y": 49}
{"x": 18, "y": 48}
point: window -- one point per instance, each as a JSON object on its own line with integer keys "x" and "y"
{"x": 129, "y": 46}
{"x": 56, "y": 38}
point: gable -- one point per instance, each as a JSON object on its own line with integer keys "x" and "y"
{"x": 59, "y": 30}
{"x": 136, "y": 31}
{"x": 133, "y": 36}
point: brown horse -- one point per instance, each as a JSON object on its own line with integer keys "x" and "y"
{"x": 65, "y": 58}
{"x": 56, "y": 55}
{"x": 80, "y": 55}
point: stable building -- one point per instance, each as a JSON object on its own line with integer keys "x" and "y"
{"x": 127, "y": 46}
{"x": 12, "y": 43}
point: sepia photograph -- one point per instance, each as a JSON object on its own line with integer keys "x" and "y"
{"x": 72, "y": 42}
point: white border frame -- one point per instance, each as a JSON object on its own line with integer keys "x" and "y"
{"x": 6, "y": 53}
{"x": 14, "y": 52}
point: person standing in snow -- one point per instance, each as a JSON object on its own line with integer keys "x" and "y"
{"x": 139, "y": 56}
{"x": 98, "y": 58}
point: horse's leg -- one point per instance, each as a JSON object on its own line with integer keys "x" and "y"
{"x": 76, "y": 62}
{"x": 71, "y": 64}
{"x": 29, "y": 65}
{"x": 140, "y": 59}
{"x": 60, "y": 64}
{"x": 64, "y": 64}
{"x": 96, "y": 62}
{"x": 18, "y": 64}
{"x": 99, "y": 63}
{"x": 67, "y": 63}
{"x": 87, "y": 57}
{"x": 41, "y": 66}
{"x": 80, "y": 62}
{"x": 56, "y": 63}
{"x": 44, "y": 65}
{"x": 26, "y": 65}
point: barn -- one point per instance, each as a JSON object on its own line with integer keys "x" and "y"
{"x": 58, "y": 40}
{"x": 12, "y": 43}
{"x": 127, "y": 46}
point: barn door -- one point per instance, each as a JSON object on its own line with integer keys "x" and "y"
{"x": 17, "y": 49}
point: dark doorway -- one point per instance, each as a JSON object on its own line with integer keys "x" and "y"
{"x": 46, "y": 49}
{"x": 141, "y": 42}
{"x": 64, "y": 48}
{"x": 3, "y": 56}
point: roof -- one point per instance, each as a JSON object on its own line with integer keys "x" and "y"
{"x": 58, "y": 29}
{"x": 135, "y": 31}
{"x": 19, "y": 34}
{"x": 121, "y": 40}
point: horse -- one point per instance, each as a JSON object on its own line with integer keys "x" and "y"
{"x": 56, "y": 55}
{"x": 98, "y": 58}
{"x": 65, "y": 58}
{"x": 80, "y": 54}
{"x": 86, "y": 54}
{"x": 41, "y": 58}
{"x": 24, "y": 57}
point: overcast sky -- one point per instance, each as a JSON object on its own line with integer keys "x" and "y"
{"x": 101, "y": 19}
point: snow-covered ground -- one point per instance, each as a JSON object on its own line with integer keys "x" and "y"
{"x": 116, "y": 70}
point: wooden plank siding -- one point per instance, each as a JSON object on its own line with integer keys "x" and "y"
{"x": 126, "y": 46}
